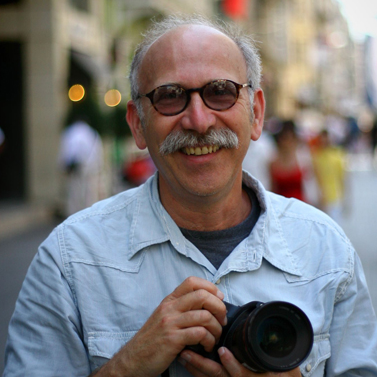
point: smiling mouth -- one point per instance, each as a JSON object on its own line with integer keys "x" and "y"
{"x": 198, "y": 151}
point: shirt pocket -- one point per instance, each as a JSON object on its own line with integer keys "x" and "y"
{"x": 314, "y": 365}
{"x": 102, "y": 346}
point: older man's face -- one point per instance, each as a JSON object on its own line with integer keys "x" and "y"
{"x": 192, "y": 56}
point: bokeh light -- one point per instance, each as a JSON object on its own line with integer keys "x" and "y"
{"x": 76, "y": 93}
{"x": 113, "y": 98}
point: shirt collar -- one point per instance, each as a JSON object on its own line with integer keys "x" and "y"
{"x": 152, "y": 224}
{"x": 269, "y": 238}
{"x": 149, "y": 219}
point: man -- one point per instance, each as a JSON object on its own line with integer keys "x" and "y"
{"x": 122, "y": 288}
{"x": 81, "y": 157}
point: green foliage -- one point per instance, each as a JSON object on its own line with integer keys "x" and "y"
{"x": 116, "y": 122}
{"x": 88, "y": 110}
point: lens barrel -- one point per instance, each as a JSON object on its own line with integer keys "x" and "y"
{"x": 276, "y": 336}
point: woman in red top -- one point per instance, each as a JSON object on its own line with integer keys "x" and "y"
{"x": 287, "y": 175}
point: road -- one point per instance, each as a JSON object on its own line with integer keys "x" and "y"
{"x": 16, "y": 252}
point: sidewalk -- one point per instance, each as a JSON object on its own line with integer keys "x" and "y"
{"x": 17, "y": 216}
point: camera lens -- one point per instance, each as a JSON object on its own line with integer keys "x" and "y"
{"x": 276, "y": 337}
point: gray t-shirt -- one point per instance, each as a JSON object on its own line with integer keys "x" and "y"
{"x": 218, "y": 244}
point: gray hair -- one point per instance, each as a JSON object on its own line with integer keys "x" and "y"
{"x": 245, "y": 43}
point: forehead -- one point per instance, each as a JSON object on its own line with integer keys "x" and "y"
{"x": 191, "y": 55}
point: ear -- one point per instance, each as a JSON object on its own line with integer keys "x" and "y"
{"x": 134, "y": 122}
{"x": 259, "y": 108}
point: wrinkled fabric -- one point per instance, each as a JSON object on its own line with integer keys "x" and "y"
{"x": 100, "y": 274}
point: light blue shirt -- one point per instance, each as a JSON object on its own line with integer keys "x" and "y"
{"x": 101, "y": 273}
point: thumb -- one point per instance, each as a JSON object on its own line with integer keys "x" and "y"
{"x": 230, "y": 363}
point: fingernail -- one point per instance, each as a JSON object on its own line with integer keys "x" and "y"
{"x": 225, "y": 321}
{"x": 185, "y": 357}
{"x": 221, "y": 351}
{"x": 220, "y": 295}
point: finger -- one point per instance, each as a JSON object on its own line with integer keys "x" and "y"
{"x": 194, "y": 283}
{"x": 198, "y": 335}
{"x": 199, "y": 366}
{"x": 188, "y": 328}
{"x": 234, "y": 368}
{"x": 202, "y": 299}
{"x": 200, "y": 318}
{"x": 199, "y": 300}
{"x": 231, "y": 364}
{"x": 192, "y": 301}
{"x": 172, "y": 318}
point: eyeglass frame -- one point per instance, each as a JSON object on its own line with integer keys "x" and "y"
{"x": 192, "y": 90}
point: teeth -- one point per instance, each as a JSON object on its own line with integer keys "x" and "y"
{"x": 198, "y": 151}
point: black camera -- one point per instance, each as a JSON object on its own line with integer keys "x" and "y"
{"x": 275, "y": 336}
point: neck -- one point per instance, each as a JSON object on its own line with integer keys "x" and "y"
{"x": 207, "y": 213}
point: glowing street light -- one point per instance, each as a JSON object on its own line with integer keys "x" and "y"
{"x": 113, "y": 98}
{"x": 76, "y": 92}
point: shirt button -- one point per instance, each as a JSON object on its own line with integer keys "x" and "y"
{"x": 308, "y": 368}
{"x": 218, "y": 282}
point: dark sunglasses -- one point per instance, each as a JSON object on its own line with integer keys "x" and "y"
{"x": 172, "y": 99}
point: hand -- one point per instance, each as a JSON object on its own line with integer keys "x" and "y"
{"x": 193, "y": 314}
{"x": 200, "y": 366}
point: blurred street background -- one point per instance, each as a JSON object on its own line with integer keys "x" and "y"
{"x": 65, "y": 143}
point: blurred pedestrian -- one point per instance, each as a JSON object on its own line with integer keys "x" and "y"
{"x": 291, "y": 170}
{"x": 81, "y": 157}
{"x": 329, "y": 165}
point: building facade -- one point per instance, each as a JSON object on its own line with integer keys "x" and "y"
{"x": 48, "y": 45}
{"x": 45, "y": 47}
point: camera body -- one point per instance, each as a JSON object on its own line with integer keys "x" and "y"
{"x": 275, "y": 336}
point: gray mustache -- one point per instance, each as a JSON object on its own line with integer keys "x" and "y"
{"x": 224, "y": 138}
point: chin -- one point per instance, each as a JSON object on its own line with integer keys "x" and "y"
{"x": 204, "y": 191}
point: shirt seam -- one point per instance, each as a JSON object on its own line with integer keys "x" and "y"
{"x": 108, "y": 265}
{"x": 343, "y": 287}
{"x": 315, "y": 221}
{"x": 64, "y": 256}
{"x": 109, "y": 211}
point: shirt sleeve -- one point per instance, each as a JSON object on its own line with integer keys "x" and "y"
{"x": 45, "y": 334}
{"x": 353, "y": 333}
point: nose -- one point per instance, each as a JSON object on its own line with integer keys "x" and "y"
{"x": 197, "y": 116}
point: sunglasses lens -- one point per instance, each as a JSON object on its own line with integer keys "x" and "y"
{"x": 220, "y": 94}
{"x": 169, "y": 99}
{"x": 217, "y": 95}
